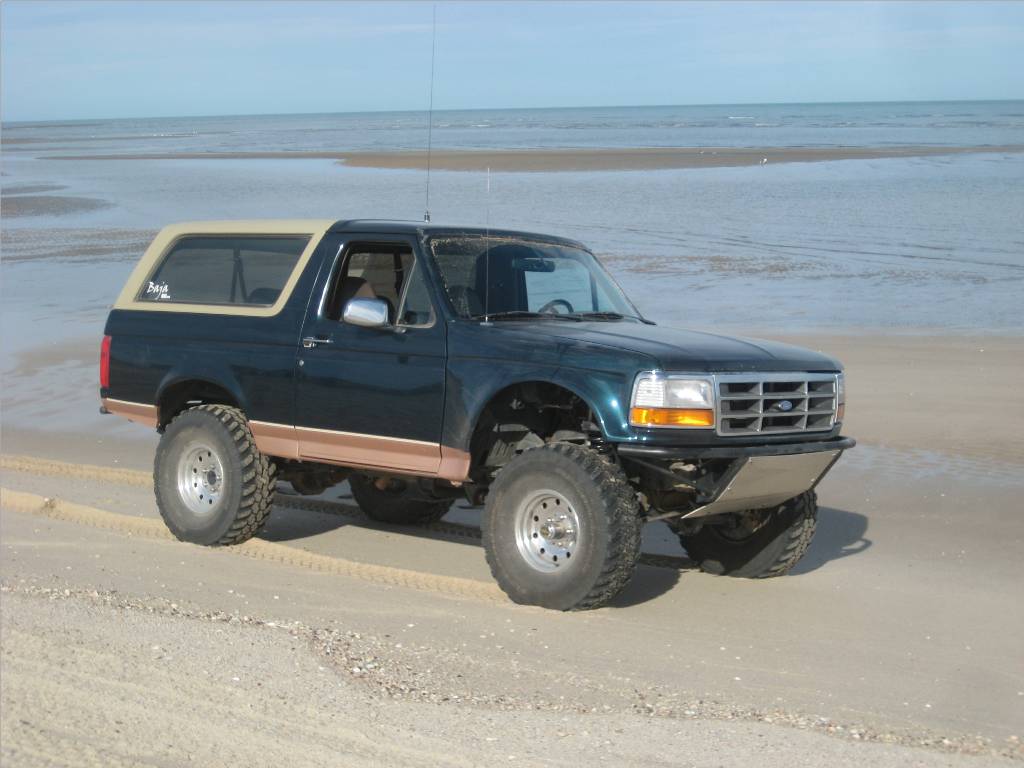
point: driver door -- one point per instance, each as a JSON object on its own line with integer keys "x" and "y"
{"x": 373, "y": 397}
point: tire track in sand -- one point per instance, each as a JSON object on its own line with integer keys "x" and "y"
{"x": 141, "y": 479}
{"x": 58, "y": 509}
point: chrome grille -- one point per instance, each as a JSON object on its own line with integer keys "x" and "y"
{"x": 775, "y": 403}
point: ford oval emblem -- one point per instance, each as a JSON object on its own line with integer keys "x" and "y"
{"x": 785, "y": 406}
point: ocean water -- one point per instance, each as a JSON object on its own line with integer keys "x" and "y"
{"x": 737, "y": 125}
{"x": 901, "y": 245}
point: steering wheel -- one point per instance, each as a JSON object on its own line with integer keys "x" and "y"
{"x": 549, "y": 308}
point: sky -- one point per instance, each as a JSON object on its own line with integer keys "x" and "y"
{"x": 82, "y": 59}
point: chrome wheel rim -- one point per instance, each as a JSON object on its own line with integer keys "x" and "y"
{"x": 547, "y": 531}
{"x": 201, "y": 478}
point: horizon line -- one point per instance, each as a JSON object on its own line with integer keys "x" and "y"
{"x": 506, "y": 109}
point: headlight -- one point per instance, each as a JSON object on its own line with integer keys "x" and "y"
{"x": 672, "y": 401}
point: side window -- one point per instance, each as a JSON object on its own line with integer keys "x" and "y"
{"x": 224, "y": 270}
{"x": 382, "y": 271}
{"x": 416, "y": 309}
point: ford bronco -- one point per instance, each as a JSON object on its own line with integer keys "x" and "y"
{"x": 424, "y": 363}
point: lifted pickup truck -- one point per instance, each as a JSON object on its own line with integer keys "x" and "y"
{"x": 424, "y": 363}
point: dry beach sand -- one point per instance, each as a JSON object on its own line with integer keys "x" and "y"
{"x": 898, "y": 630}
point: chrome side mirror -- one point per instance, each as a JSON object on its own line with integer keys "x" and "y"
{"x": 366, "y": 313}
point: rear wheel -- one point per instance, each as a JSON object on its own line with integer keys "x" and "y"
{"x": 756, "y": 544}
{"x": 561, "y": 528}
{"x": 393, "y": 500}
{"x": 212, "y": 484}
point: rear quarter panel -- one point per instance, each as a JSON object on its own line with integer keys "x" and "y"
{"x": 252, "y": 357}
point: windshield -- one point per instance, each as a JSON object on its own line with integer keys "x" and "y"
{"x": 500, "y": 277}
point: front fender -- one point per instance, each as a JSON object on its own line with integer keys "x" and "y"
{"x": 485, "y": 359}
{"x": 472, "y": 384}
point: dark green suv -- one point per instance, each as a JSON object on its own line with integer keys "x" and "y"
{"x": 425, "y": 363}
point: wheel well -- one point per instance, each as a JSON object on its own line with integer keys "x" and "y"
{"x": 528, "y": 415}
{"x": 184, "y": 394}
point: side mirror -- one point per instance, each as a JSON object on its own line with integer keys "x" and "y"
{"x": 366, "y": 313}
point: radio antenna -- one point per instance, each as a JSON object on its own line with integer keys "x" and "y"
{"x": 430, "y": 111}
{"x": 487, "y": 249}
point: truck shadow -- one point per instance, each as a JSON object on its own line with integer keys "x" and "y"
{"x": 840, "y": 534}
{"x": 289, "y": 522}
{"x": 648, "y": 583}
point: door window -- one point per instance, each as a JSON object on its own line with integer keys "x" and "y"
{"x": 383, "y": 271}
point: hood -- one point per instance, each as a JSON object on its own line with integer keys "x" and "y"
{"x": 683, "y": 350}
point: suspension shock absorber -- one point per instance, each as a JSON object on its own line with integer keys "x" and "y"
{"x": 601, "y": 446}
{"x": 595, "y": 438}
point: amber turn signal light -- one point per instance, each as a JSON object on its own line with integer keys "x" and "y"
{"x": 671, "y": 417}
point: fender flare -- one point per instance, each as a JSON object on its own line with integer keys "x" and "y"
{"x": 609, "y": 419}
{"x": 223, "y": 380}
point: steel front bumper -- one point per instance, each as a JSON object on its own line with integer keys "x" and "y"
{"x": 758, "y": 476}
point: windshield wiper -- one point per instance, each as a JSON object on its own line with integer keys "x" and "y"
{"x": 604, "y": 316}
{"x": 523, "y": 314}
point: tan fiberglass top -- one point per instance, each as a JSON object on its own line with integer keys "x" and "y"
{"x": 312, "y": 228}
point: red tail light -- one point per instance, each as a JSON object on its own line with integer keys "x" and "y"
{"x": 105, "y": 363}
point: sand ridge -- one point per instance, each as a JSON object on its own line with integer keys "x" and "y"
{"x": 572, "y": 159}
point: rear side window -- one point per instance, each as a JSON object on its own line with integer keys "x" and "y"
{"x": 226, "y": 270}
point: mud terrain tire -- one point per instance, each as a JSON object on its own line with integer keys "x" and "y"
{"x": 561, "y": 528}
{"x": 395, "y": 507}
{"x": 213, "y": 486}
{"x": 770, "y": 550}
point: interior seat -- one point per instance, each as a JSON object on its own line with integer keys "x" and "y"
{"x": 497, "y": 281}
{"x": 263, "y": 296}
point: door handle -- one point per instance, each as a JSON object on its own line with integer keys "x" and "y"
{"x": 311, "y": 341}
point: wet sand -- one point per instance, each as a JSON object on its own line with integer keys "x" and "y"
{"x": 16, "y": 206}
{"x": 952, "y": 396}
{"x": 94, "y": 244}
{"x": 30, "y": 189}
{"x": 539, "y": 160}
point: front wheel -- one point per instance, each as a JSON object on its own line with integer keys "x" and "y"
{"x": 756, "y": 544}
{"x": 561, "y": 528}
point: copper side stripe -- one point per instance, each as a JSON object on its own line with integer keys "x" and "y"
{"x": 137, "y": 412}
{"x": 387, "y": 454}
{"x": 454, "y": 464}
{"x": 369, "y": 451}
{"x": 351, "y": 449}
{"x": 275, "y": 439}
